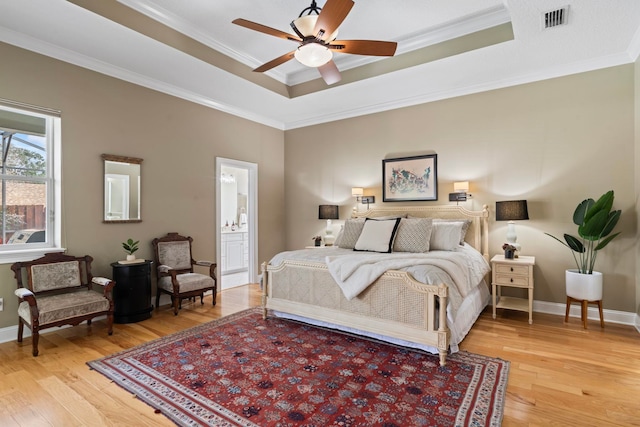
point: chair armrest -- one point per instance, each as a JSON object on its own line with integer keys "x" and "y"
{"x": 102, "y": 281}
{"x": 107, "y": 284}
{"x": 212, "y": 268}
{"x": 23, "y": 292}
{"x": 205, "y": 263}
{"x": 164, "y": 268}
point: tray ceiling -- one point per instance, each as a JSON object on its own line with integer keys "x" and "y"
{"x": 445, "y": 49}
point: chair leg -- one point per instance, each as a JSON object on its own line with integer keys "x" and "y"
{"x": 110, "y": 323}
{"x": 202, "y": 298}
{"x": 157, "y": 298}
{"x": 20, "y": 329}
{"x": 601, "y": 315}
{"x": 89, "y": 322}
{"x": 566, "y": 314}
{"x": 35, "y": 337}
{"x": 585, "y": 310}
{"x": 176, "y": 305}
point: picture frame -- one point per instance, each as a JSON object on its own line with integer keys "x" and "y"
{"x": 410, "y": 179}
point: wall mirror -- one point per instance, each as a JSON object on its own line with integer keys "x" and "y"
{"x": 121, "y": 189}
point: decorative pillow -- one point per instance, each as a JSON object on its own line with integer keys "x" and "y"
{"x": 350, "y": 233}
{"x": 445, "y": 236}
{"x": 413, "y": 235}
{"x": 339, "y": 237}
{"x": 466, "y": 223}
{"x": 377, "y": 235}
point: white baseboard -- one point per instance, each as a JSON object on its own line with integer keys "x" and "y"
{"x": 610, "y": 316}
{"x": 10, "y": 333}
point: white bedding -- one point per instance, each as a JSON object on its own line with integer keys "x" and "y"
{"x": 462, "y": 270}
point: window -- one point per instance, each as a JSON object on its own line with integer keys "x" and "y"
{"x": 29, "y": 181}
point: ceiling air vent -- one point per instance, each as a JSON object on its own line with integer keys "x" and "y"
{"x": 555, "y": 18}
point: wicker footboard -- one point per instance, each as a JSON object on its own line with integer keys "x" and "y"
{"x": 395, "y": 305}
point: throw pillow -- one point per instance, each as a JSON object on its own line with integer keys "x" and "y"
{"x": 445, "y": 236}
{"x": 466, "y": 223}
{"x": 377, "y": 235}
{"x": 413, "y": 235}
{"x": 350, "y": 233}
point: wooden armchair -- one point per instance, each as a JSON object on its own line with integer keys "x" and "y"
{"x": 58, "y": 291}
{"x": 176, "y": 276}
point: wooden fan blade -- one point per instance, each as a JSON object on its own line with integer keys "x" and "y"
{"x": 266, "y": 30}
{"x": 275, "y": 62}
{"x": 331, "y": 16}
{"x": 365, "y": 47}
{"x": 330, "y": 73}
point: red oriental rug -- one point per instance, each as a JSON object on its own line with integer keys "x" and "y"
{"x": 244, "y": 371}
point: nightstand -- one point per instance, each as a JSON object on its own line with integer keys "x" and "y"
{"x": 514, "y": 273}
{"x": 132, "y": 293}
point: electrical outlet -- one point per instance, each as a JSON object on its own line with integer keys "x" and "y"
{"x": 1, "y": 304}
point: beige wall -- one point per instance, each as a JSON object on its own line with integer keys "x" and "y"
{"x": 553, "y": 143}
{"x": 178, "y": 141}
{"x": 637, "y": 180}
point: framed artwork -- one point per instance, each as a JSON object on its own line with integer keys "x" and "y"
{"x": 410, "y": 179}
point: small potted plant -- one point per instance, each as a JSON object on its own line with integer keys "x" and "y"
{"x": 509, "y": 251}
{"x": 130, "y": 247}
{"x": 317, "y": 240}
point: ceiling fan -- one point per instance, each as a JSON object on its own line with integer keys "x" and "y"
{"x": 317, "y": 37}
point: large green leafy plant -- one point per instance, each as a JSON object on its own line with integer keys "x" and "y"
{"x": 595, "y": 221}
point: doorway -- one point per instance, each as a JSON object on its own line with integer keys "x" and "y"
{"x": 237, "y": 222}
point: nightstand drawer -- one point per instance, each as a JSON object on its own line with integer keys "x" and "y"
{"x": 512, "y": 280}
{"x": 512, "y": 269}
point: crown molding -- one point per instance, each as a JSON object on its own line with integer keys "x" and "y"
{"x": 568, "y": 69}
{"x": 65, "y": 55}
{"x": 447, "y": 31}
{"x": 180, "y": 25}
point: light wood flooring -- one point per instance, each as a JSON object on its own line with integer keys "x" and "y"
{"x": 561, "y": 374}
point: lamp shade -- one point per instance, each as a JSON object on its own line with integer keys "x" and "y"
{"x": 328, "y": 212}
{"x": 357, "y": 191}
{"x": 461, "y": 187}
{"x": 512, "y": 210}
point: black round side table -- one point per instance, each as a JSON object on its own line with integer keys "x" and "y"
{"x": 132, "y": 293}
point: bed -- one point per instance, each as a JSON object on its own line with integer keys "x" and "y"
{"x": 401, "y": 305}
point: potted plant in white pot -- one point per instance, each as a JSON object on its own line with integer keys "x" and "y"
{"x": 130, "y": 248}
{"x": 595, "y": 221}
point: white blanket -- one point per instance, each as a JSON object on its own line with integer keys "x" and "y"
{"x": 354, "y": 273}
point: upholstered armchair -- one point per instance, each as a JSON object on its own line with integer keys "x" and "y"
{"x": 59, "y": 291}
{"x": 176, "y": 275}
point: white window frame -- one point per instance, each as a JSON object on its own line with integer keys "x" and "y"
{"x": 53, "y": 182}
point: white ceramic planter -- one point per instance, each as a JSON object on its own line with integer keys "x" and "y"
{"x": 131, "y": 257}
{"x": 584, "y": 286}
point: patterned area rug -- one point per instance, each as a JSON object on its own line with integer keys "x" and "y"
{"x": 244, "y": 371}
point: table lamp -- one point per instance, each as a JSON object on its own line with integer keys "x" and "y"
{"x": 512, "y": 210}
{"x": 328, "y": 212}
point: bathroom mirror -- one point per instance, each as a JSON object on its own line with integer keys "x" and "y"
{"x": 121, "y": 189}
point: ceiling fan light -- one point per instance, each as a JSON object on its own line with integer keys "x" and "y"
{"x": 313, "y": 55}
{"x": 306, "y": 24}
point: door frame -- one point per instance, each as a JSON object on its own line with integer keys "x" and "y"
{"x": 252, "y": 214}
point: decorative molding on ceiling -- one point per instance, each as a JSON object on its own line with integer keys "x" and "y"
{"x": 65, "y": 55}
{"x": 484, "y": 19}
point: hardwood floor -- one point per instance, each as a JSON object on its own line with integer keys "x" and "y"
{"x": 560, "y": 374}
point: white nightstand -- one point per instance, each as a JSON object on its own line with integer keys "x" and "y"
{"x": 514, "y": 273}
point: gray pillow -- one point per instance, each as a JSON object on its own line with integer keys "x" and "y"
{"x": 413, "y": 235}
{"x": 350, "y": 233}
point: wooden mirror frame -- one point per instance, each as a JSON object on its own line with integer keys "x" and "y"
{"x": 119, "y": 159}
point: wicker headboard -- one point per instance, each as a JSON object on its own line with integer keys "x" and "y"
{"x": 477, "y": 235}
